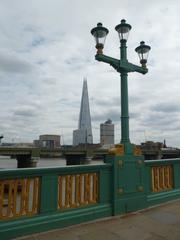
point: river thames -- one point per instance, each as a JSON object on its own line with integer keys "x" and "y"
{"x": 7, "y": 162}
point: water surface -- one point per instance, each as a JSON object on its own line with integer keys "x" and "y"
{"x": 7, "y": 162}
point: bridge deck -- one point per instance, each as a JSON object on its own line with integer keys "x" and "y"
{"x": 158, "y": 223}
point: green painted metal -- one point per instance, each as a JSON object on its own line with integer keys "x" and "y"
{"x": 124, "y": 186}
{"x": 105, "y": 193}
{"x": 49, "y": 216}
{"x": 123, "y": 51}
{"x": 124, "y": 109}
{"x": 49, "y": 194}
{"x": 129, "y": 179}
{"x": 123, "y": 67}
{"x": 119, "y": 65}
{"x": 164, "y": 196}
{"x": 129, "y": 183}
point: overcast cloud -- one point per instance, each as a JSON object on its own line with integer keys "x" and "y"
{"x": 46, "y": 50}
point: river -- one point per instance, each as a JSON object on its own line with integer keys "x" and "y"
{"x": 8, "y": 163}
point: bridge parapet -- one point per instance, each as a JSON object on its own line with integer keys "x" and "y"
{"x": 40, "y": 199}
{"x": 60, "y": 196}
{"x": 163, "y": 183}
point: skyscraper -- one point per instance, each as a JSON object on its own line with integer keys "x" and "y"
{"x": 107, "y": 133}
{"x": 83, "y": 134}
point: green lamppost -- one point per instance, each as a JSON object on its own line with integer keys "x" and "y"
{"x": 123, "y": 67}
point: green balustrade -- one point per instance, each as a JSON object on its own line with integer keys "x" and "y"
{"x": 163, "y": 181}
{"x": 39, "y": 199}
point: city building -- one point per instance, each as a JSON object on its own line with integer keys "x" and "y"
{"x": 158, "y": 150}
{"x": 151, "y": 150}
{"x": 83, "y": 135}
{"x": 48, "y": 141}
{"x": 107, "y": 133}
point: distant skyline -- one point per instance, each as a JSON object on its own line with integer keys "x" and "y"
{"x": 46, "y": 50}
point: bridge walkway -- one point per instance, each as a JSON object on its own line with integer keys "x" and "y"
{"x": 158, "y": 223}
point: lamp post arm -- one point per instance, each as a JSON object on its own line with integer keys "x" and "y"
{"x": 112, "y": 61}
{"x": 129, "y": 67}
{"x": 120, "y": 65}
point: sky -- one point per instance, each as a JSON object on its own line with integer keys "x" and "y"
{"x": 46, "y": 50}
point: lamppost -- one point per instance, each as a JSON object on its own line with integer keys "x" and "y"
{"x": 123, "y": 67}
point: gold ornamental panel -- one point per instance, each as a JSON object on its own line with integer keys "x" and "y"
{"x": 118, "y": 150}
{"x": 137, "y": 151}
{"x": 162, "y": 178}
{"x": 19, "y": 197}
{"x": 77, "y": 190}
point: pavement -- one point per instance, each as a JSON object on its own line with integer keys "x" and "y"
{"x": 158, "y": 223}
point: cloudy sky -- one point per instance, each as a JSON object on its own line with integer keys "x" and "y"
{"x": 46, "y": 50}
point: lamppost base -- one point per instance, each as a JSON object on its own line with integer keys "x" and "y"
{"x": 129, "y": 178}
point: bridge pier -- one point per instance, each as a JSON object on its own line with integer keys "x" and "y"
{"x": 26, "y": 161}
{"x": 74, "y": 159}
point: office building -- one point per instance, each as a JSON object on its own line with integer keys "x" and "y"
{"x": 48, "y": 141}
{"x": 107, "y": 133}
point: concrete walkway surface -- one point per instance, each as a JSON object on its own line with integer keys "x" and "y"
{"x": 157, "y": 223}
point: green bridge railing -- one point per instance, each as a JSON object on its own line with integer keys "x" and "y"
{"x": 39, "y": 199}
{"x": 163, "y": 181}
